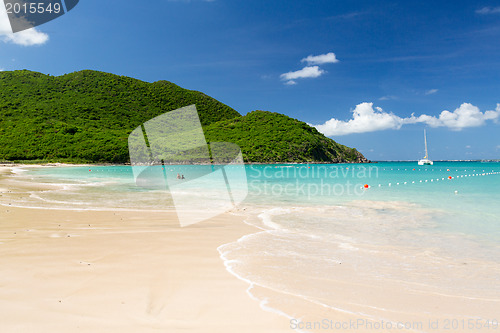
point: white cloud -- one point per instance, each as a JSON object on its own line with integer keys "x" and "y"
{"x": 488, "y": 10}
{"x": 467, "y": 115}
{"x": 431, "y": 92}
{"x": 26, "y": 37}
{"x": 387, "y": 98}
{"x": 321, "y": 59}
{"x": 306, "y": 72}
{"x": 366, "y": 118}
{"x": 310, "y": 71}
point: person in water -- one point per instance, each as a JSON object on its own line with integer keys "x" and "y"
{"x": 178, "y": 176}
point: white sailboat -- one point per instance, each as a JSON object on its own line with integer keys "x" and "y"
{"x": 425, "y": 160}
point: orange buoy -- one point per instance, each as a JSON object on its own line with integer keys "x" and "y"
{"x": 450, "y": 177}
{"x": 367, "y": 186}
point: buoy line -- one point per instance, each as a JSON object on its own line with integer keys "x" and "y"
{"x": 367, "y": 186}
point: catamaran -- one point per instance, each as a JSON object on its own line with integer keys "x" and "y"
{"x": 425, "y": 160}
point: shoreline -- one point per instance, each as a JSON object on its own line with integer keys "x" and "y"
{"x": 354, "y": 294}
{"x": 7, "y": 164}
{"x": 13, "y": 164}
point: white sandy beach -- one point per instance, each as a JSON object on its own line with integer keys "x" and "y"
{"x": 88, "y": 271}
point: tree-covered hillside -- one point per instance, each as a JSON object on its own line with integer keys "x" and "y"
{"x": 87, "y": 116}
{"x": 271, "y": 137}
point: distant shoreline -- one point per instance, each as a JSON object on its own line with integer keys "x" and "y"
{"x": 492, "y": 160}
{"x": 52, "y": 164}
{"x": 15, "y": 164}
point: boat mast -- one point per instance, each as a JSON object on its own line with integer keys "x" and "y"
{"x": 425, "y": 139}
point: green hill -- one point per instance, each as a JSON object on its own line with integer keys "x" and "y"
{"x": 271, "y": 137}
{"x": 87, "y": 116}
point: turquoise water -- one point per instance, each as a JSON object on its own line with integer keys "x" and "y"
{"x": 466, "y": 203}
{"x": 411, "y": 231}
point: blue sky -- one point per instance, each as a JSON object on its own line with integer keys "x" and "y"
{"x": 369, "y": 74}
